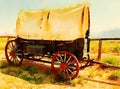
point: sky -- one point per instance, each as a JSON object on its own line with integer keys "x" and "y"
{"x": 104, "y": 14}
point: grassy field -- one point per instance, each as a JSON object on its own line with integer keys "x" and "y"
{"x": 32, "y": 75}
{"x": 107, "y": 46}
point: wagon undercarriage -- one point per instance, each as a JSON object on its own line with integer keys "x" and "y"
{"x": 66, "y": 58}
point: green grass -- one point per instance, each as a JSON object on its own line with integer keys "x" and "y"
{"x": 80, "y": 80}
{"x": 28, "y": 73}
{"x": 111, "y": 60}
{"x": 30, "y": 69}
{"x": 93, "y": 46}
{"x": 116, "y": 49}
{"x": 3, "y": 64}
{"x": 107, "y": 46}
{"x": 36, "y": 80}
{"x": 111, "y": 46}
{"x": 115, "y": 75}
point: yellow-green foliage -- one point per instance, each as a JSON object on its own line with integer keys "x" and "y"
{"x": 2, "y": 43}
{"x": 111, "y": 60}
{"x": 110, "y": 46}
{"x": 115, "y": 75}
{"x": 93, "y": 46}
{"x": 80, "y": 80}
{"x": 107, "y": 46}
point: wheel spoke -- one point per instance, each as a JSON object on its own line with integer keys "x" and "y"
{"x": 10, "y": 58}
{"x": 17, "y": 59}
{"x": 58, "y": 59}
{"x": 68, "y": 59}
{"x": 9, "y": 48}
{"x": 57, "y": 63}
{"x": 61, "y": 58}
{"x": 64, "y": 58}
{"x": 18, "y": 54}
{"x": 70, "y": 71}
{"x": 8, "y": 54}
{"x": 13, "y": 60}
{"x": 12, "y": 45}
{"x": 71, "y": 63}
{"x": 19, "y": 50}
{"x": 66, "y": 71}
{"x": 72, "y": 67}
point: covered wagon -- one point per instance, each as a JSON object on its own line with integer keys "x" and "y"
{"x": 59, "y": 34}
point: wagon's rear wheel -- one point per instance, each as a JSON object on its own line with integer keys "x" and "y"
{"x": 66, "y": 64}
{"x": 13, "y": 53}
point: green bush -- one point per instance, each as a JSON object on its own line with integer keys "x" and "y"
{"x": 18, "y": 72}
{"x": 33, "y": 79}
{"x": 39, "y": 79}
{"x": 27, "y": 78}
{"x": 32, "y": 70}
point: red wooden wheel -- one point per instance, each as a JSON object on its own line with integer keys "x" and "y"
{"x": 13, "y": 53}
{"x": 66, "y": 64}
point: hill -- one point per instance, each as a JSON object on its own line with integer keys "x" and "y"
{"x": 113, "y": 33}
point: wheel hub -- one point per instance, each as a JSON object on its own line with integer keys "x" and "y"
{"x": 12, "y": 53}
{"x": 63, "y": 66}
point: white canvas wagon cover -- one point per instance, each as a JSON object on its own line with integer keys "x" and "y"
{"x": 62, "y": 24}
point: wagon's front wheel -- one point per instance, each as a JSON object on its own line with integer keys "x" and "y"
{"x": 13, "y": 53}
{"x": 65, "y": 64}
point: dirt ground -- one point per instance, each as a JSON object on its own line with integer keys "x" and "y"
{"x": 97, "y": 81}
